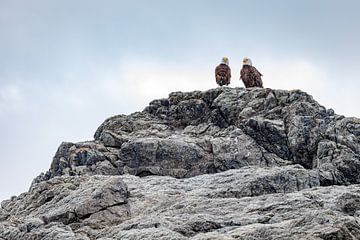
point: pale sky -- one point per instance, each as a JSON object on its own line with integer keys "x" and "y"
{"x": 66, "y": 66}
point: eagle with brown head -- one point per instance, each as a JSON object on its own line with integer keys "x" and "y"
{"x": 250, "y": 76}
{"x": 223, "y": 72}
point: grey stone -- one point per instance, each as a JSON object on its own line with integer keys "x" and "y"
{"x": 225, "y": 128}
{"x": 227, "y": 163}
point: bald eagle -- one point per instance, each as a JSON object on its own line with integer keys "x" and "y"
{"x": 223, "y": 72}
{"x": 250, "y": 76}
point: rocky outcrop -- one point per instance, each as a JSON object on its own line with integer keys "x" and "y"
{"x": 222, "y": 164}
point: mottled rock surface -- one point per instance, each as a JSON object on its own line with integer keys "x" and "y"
{"x": 227, "y": 163}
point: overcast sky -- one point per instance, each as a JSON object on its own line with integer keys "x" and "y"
{"x": 66, "y": 65}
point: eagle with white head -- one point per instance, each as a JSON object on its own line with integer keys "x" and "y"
{"x": 223, "y": 72}
{"x": 250, "y": 76}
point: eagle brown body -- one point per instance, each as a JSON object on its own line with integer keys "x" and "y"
{"x": 222, "y": 74}
{"x": 251, "y": 77}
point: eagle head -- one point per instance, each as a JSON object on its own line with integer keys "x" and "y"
{"x": 225, "y": 60}
{"x": 247, "y": 61}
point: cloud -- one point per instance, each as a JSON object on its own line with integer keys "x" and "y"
{"x": 153, "y": 79}
{"x": 10, "y": 97}
{"x": 10, "y": 93}
{"x": 144, "y": 80}
{"x": 294, "y": 74}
